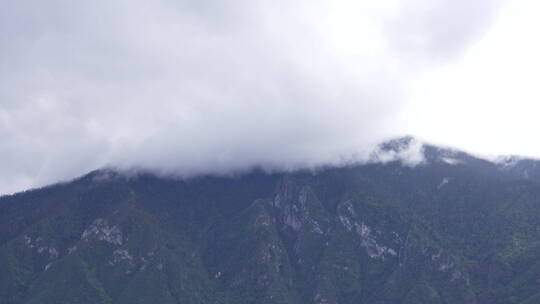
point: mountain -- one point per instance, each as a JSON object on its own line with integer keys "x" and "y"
{"x": 439, "y": 227}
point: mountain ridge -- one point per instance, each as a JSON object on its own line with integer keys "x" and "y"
{"x": 451, "y": 229}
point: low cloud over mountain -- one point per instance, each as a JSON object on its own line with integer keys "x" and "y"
{"x": 196, "y": 87}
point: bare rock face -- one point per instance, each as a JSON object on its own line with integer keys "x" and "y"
{"x": 368, "y": 239}
{"x": 102, "y": 231}
{"x": 299, "y": 210}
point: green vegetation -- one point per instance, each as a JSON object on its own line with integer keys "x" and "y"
{"x": 377, "y": 234}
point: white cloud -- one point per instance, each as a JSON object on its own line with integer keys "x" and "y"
{"x": 210, "y": 86}
{"x": 488, "y": 102}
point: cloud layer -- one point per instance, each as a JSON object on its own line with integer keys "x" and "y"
{"x": 190, "y": 87}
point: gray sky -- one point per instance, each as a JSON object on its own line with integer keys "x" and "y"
{"x": 191, "y": 87}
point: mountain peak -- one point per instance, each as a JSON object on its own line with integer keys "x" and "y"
{"x": 408, "y": 150}
{"x": 398, "y": 144}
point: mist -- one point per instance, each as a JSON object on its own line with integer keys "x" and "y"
{"x": 197, "y": 87}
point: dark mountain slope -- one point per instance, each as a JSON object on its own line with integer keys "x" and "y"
{"x": 454, "y": 229}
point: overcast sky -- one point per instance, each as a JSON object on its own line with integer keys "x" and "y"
{"x": 189, "y": 87}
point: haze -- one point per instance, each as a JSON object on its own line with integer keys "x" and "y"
{"x": 191, "y": 87}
